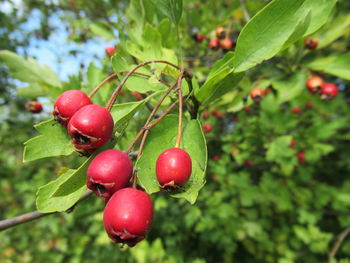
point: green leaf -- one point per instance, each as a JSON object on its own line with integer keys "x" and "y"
{"x": 337, "y": 28}
{"x": 337, "y": 65}
{"x": 220, "y": 81}
{"x": 163, "y": 137}
{"x": 53, "y": 141}
{"x": 170, "y": 8}
{"x": 29, "y": 70}
{"x": 291, "y": 88}
{"x": 320, "y": 12}
{"x": 46, "y": 202}
{"x": 31, "y": 92}
{"x": 267, "y": 32}
{"x": 102, "y": 31}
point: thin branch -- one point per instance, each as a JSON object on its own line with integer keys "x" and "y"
{"x": 244, "y": 10}
{"x": 339, "y": 240}
{"x": 109, "y": 78}
{"x": 7, "y": 223}
{"x": 179, "y": 132}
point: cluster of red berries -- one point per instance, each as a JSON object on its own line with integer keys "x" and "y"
{"x": 316, "y": 85}
{"x": 221, "y": 40}
{"x": 89, "y": 125}
{"x": 128, "y": 213}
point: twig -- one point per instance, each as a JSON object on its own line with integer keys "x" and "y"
{"x": 244, "y": 10}
{"x": 110, "y": 77}
{"x": 7, "y": 223}
{"x": 179, "y": 132}
{"x": 339, "y": 240}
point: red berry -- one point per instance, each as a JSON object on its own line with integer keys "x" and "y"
{"x": 309, "y": 105}
{"x": 216, "y": 158}
{"x": 68, "y": 103}
{"x": 90, "y": 127}
{"x": 247, "y": 108}
{"x": 215, "y": 113}
{"x": 314, "y": 84}
{"x": 311, "y": 43}
{"x": 328, "y": 91}
{"x": 205, "y": 115}
{"x": 108, "y": 172}
{"x": 198, "y": 38}
{"x": 173, "y": 168}
{"x": 207, "y": 128}
{"x": 220, "y": 32}
{"x": 128, "y": 216}
{"x": 257, "y": 94}
{"x": 292, "y": 144}
{"x": 301, "y": 157}
{"x": 34, "y": 106}
{"x": 110, "y": 50}
{"x": 267, "y": 91}
{"x": 214, "y": 44}
{"x": 296, "y": 110}
{"x": 226, "y": 44}
{"x": 137, "y": 95}
{"x": 248, "y": 163}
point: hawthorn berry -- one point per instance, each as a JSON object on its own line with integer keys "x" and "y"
{"x": 314, "y": 84}
{"x": 198, "y": 38}
{"x": 310, "y": 43}
{"x": 215, "y": 113}
{"x": 90, "y": 127}
{"x": 247, "y": 108}
{"x": 128, "y": 216}
{"x": 296, "y": 110}
{"x": 292, "y": 144}
{"x": 207, "y": 128}
{"x": 267, "y": 91}
{"x": 226, "y": 44}
{"x": 68, "y": 103}
{"x": 301, "y": 157}
{"x": 216, "y": 158}
{"x": 248, "y": 163}
{"x": 220, "y": 32}
{"x": 34, "y": 106}
{"x": 309, "y": 105}
{"x": 328, "y": 91}
{"x": 110, "y": 50}
{"x": 214, "y": 44}
{"x": 205, "y": 115}
{"x": 257, "y": 94}
{"x": 173, "y": 168}
{"x": 108, "y": 172}
{"x": 137, "y": 95}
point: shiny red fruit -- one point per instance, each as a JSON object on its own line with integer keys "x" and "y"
{"x": 257, "y": 94}
{"x": 216, "y": 158}
{"x": 292, "y": 144}
{"x": 68, "y": 103}
{"x": 226, "y": 44}
{"x": 328, "y": 91}
{"x": 220, "y": 32}
{"x": 214, "y": 44}
{"x": 173, "y": 168}
{"x": 110, "y": 50}
{"x": 215, "y": 113}
{"x": 314, "y": 84}
{"x": 207, "y": 128}
{"x": 296, "y": 110}
{"x": 311, "y": 43}
{"x": 309, "y": 105}
{"x": 34, "y": 106}
{"x": 128, "y": 216}
{"x": 90, "y": 127}
{"x": 108, "y": 172}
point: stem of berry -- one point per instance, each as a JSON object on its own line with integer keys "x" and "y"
{"x": 110, "y": 77}
{"x": 122, "y": 83}
{"x": 179, "y": 132}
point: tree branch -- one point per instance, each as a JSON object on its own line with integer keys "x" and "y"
{"x": 339, "y": 240}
